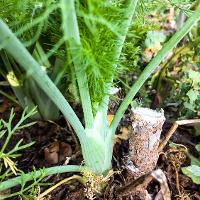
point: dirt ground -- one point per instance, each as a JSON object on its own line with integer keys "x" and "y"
{"x": 56, "y": 144}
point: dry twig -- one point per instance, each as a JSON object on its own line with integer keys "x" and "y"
{"x": 173, "y": 129}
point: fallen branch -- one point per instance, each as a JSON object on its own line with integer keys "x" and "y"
{"x": 173, "y": 129}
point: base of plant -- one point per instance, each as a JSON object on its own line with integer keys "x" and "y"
{"x": 94, "y": 183}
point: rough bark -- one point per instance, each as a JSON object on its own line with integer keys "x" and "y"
{"x": 144, "y": 141}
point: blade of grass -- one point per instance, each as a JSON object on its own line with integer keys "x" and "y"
{"x": 9, "y": 97}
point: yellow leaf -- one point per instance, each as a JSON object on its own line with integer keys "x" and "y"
{"x": 110, "y": 118}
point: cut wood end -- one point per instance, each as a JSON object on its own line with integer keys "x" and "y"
{"x": 149, "y": 115}
{"x": 144, "y": 139}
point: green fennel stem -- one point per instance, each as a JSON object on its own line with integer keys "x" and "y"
{"x": 71, "y": 34}
{"x": 36, "y": 174}
{"x": 120, "y": 42}
{"x": 96, "y": 148}
{"x": 175, "y": 39}
{"x": 93, "y": 159}
{"x": 33, "y": 69}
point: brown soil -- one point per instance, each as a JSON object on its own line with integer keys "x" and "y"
{"x": 50, "y": 137}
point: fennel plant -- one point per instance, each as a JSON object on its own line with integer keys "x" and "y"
{"x": 94, "y": 42}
